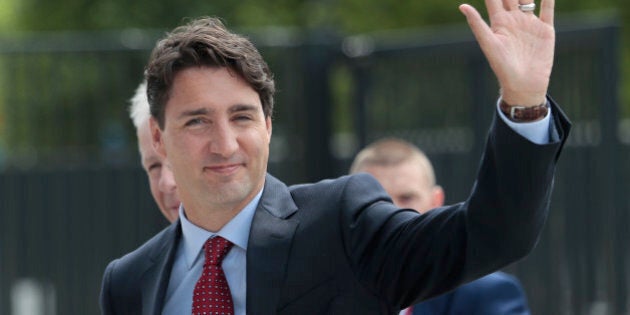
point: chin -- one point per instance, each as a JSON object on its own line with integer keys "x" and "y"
{"x": 173, "y": 215}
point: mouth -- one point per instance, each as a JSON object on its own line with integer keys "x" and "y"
{"x": 226, "y": 169}
{"x": 173, "y": 205}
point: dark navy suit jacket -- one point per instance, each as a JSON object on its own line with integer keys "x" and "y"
{"x": 341, "y": 247}
{"x": 495, "y": 294}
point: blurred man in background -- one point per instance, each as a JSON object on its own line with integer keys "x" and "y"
{"x": 408, "y": 177}
{"x": 161, "y": 181}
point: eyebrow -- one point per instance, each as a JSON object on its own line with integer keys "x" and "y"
{"x": 242, "y": 108}
{"x": 194, "y": 112}
{"x": 206, "y": 111}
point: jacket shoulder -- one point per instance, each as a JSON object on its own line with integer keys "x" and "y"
{"x": 361, "y": 186}
{"x": 139, "y": 259}
{"x": 496, "y": 293}
{"x": 122, "y": 280}
{"x": 493, "y": 282}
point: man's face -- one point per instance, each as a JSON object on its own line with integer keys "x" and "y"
{"x": 408, "y": 185}
{"x": 163, "y": 187}
{"x": 216, "y": 138}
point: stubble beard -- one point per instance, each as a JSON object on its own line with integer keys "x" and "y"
{"x": 230, "y": 194}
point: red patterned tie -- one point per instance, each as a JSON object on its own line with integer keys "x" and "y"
{"x": 212, "y": 293}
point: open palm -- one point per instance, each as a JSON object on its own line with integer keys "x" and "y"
{"x": 519, "y": 47}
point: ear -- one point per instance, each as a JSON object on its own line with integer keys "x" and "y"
{"x": 269, "y": 127}
{"x": 438, "y": 196}
{"x": 156, "y": 138}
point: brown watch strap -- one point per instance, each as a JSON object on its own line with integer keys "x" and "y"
{"x": 517, "y": 113}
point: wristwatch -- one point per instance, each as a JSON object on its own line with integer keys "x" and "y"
{"x": 518, "y": 113}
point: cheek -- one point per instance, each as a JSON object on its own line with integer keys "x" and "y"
{"x": 266, "y": 139}
{"x": 176, "y": 146}
{"x": 155, "y": 188}
{"x": 183, "y": 148}
{"x": 255, "y": 143}
{"x": 425, "y": 203}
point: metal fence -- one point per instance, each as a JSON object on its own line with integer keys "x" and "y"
{"x": 72, "y": 195}
{"x": 580, "y": 265}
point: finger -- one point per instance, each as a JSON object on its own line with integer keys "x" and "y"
{"x": 480, "y": 29}
{"x": 527, "y": 6}
{"x": 511, "y": 4}
{"x": 494, "y": 6}
{"x": 546, "y": 11}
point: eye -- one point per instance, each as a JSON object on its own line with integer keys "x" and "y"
{"x": 406, "y": 198}
{"x": 154, "y": 167}
{"x": 194, "y": 122}
{"x": 242, "y": 117}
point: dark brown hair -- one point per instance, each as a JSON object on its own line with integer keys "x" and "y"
{"x": 205, "y": 42}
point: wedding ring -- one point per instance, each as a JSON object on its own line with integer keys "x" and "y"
{"x": 527, "y": 7}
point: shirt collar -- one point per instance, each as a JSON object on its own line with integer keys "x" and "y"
{"x": 235, "y": 231}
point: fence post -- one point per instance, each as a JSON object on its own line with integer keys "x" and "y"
{"x": 610, "y": 150}
{"x": 320, "y": 50}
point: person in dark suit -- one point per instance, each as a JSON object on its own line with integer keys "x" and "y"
{"x": 161, "y": 181}
{"x": 407, "y": 175}
{"x": 338, "y": 246}
{"x": 497, "y": 293}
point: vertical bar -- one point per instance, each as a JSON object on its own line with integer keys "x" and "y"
{"x": 611, "y": 148}
{"x": 319, "y": 54}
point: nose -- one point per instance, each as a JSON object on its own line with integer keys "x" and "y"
{"x": 223, "y": 141}
{"x": 167, "y": 180}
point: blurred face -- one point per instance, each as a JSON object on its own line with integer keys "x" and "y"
{"x": 161, "y": 180}
{"x": 216, "y": 138}
{"x": 408, "y": 185}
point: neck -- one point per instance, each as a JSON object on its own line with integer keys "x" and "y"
{"x": 211, "y": 221}
{"x": 212, "y": 216}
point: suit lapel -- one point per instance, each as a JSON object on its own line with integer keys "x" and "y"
{"x": 157, "y": 275}
{"x": 268, "y": 248}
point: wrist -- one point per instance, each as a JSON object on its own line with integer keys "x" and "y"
{"x": 523, "y": 97}
{"x": 522, "y": 113}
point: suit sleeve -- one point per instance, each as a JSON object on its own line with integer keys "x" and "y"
{"x": 405, "y": 257}
{"x": 510, "y": 200}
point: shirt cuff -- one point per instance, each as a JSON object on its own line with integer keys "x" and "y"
{"x": 536, "y": 132}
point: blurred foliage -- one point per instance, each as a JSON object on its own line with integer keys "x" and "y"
{"x": 348, "y": 16}
{"x": 7, "y": 16}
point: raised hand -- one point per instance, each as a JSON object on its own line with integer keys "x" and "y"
{"x": 518, "y": 45}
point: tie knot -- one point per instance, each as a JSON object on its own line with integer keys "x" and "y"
{"x": 215, "y": 249}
